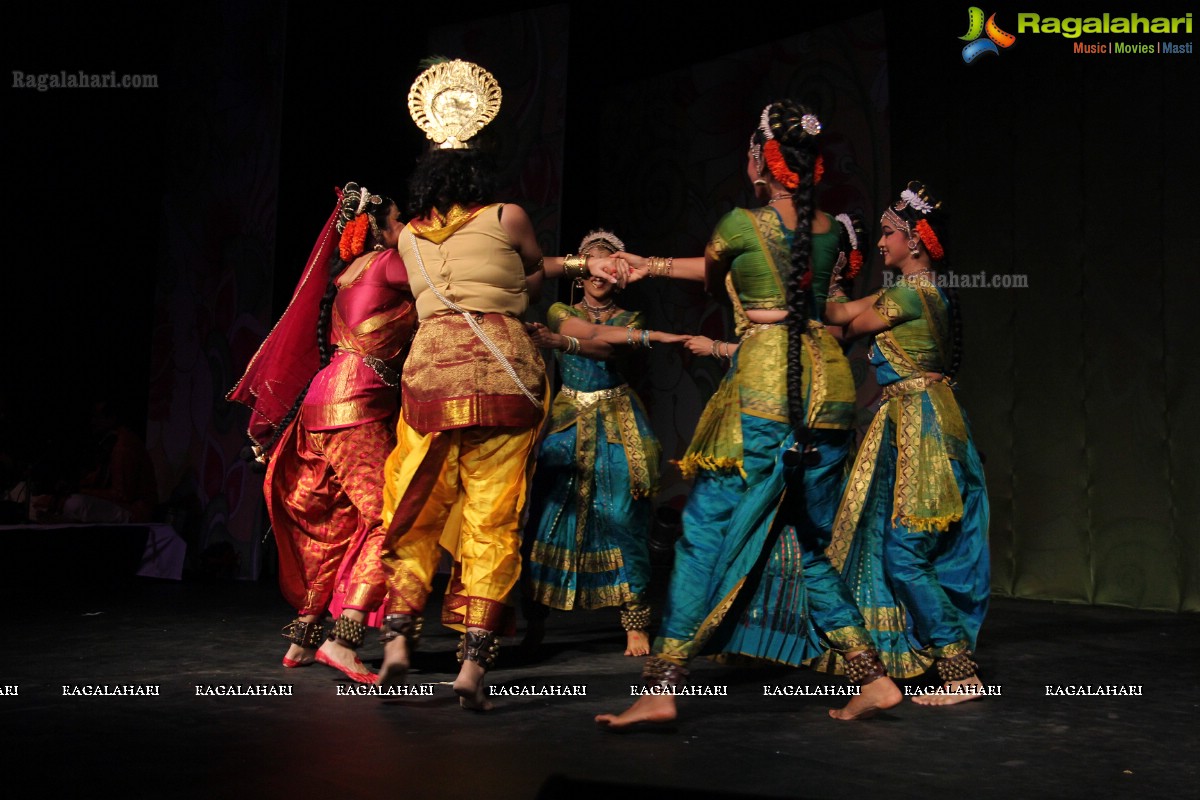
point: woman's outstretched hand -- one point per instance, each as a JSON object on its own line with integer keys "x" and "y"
{"x": 543, "y": 337}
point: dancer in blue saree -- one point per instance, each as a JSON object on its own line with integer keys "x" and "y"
{"x": 911, "y": 532}
{"x": 587, "y": 544}
{"x": 750, "y": 576}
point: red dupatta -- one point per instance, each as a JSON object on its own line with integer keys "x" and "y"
{"x": 288, "y": 358}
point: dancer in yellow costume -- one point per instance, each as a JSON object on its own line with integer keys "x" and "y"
{"x": 474, "y": 388}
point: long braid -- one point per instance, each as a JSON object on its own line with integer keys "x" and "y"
{"x": 800, "y": 153}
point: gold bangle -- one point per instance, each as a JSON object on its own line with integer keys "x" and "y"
{"x": 575, "y": 266}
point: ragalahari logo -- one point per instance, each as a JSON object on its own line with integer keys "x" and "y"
{"x": 976, "y": 27}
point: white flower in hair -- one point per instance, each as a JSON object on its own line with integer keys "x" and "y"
{"x": 848, "y": 224}
{"x": 764, "y": 122}
{"x": 914, "y": 200}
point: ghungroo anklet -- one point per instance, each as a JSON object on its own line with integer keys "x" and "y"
{"x": 349, "y": 632}
{"x": 658, "y": 673}
{"x": 308, "y": 635}
{"x": 481, "y": 648}
{"x": 404, "y": 625}
{"x": 635, "y": 616}
{"x": 864, "y": 668}
{"x": 956, "y": 668}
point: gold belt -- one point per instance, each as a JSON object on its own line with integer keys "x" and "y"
{"x": 917, "y": 383}
{"x": 759, "y": 327}
{"x": 588, "y": 398}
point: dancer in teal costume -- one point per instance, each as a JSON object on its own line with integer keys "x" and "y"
{"x": 911, "y": 532}
{"x": 750, "y": 575}
{"x": 588, "y": 542}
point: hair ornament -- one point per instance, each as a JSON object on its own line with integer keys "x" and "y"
{"x": 764, "y": 123}
{"x": 856, "y": 256}
{"x": 355, "y": 200}
{"x": 777, "y": 164}
{"x": 925, "y": 232}
{"x": 913, "y": 200}
{"x": 810, "y": 124}
{"x": 601, "y": 237}
{"x": 452, "y": 101}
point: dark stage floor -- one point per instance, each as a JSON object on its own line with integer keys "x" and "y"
{"x": 317, "y": 743}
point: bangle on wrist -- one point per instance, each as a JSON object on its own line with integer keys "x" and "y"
{"x": 660, "y": 267}
{"x": 575, "y": 266}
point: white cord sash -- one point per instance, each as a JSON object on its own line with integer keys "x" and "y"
{"x": 471, "y": 321}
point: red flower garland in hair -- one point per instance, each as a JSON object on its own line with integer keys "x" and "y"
{"x": 819, "y": 170}
{"x": 361, "y": 224}
{"x": 354, "y": 235}
{"x": 856, "y": 262}
{"x": 925, "y": 231}
{"x": 344, "y": 242}
{"x": 778, "y": 166}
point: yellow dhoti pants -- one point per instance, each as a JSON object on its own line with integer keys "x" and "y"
{"x": 481, "y": 473}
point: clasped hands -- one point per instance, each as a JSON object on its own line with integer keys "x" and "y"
{"x": 620, "y": 268}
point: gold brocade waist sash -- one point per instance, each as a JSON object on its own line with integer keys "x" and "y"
{"x": 590, "y": 398}
{"x": 641, "y": 453}
{"x": 913, "y": 385}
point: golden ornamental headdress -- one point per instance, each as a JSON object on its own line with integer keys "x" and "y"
{"x": 452, "y": 101}
{"x": 604, "y": 238}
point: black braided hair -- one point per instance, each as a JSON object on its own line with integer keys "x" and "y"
{"x": 939, "y": 220}
{"x": 799, "y": 150}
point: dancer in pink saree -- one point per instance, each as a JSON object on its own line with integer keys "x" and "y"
{"x": 325, "y": 451}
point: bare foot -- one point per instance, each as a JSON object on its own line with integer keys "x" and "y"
{"x": 877, "y": 695}
{"x": 297, "y": 656}
{"x": 953, "y": 692}
{"x": 335, "y": 654}
{"x": 656, "y": 708}
{"x": 471, "y": 687}
{"x": 637, "y": 643}
{"x": 394, "y": 670}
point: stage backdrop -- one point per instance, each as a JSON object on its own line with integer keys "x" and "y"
{"x": 1073, "y": 173}
{"x": 213, "y": 302}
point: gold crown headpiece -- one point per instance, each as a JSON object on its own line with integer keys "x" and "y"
{"x": 452, "y": 101}
{"x": 601, "y": 237}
